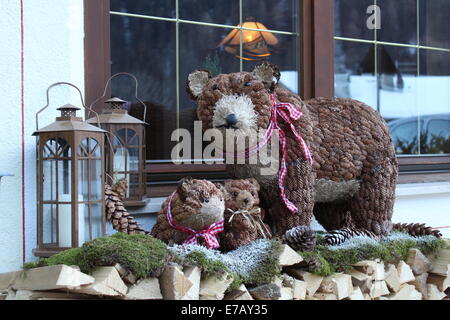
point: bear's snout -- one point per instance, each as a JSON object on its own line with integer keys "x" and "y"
{"x": 231, "y": 120}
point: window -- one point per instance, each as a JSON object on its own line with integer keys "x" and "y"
{"x": 162, "y": 41}
{"x": 401, "y": 69}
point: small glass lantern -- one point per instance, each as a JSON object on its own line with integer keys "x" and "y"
{"x": 70, "y": 183}
{"x": 125, "y": 150}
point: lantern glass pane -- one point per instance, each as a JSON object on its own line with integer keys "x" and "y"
{"x": 65, "y": 223}
{"x": 134, "y": 159}
{"x": 64, "y": 179}
{"x": 96, "y": 150}
{"x": 96, "y": 213}
{"x": 49, "y": 180}
{"x": 84, "y": 231}
{"x": 83, "y": 223}
{"x": 83, "y": 179}
{"x": 130, "y": 136}
{"x": 133, "y": 141}
{"x": 96, "y": 179}
{"x": 49, "y": 224}
{"x": 121, "y": 134}
{"x": 121, "y": 160}
{"x": 133, "y": 179}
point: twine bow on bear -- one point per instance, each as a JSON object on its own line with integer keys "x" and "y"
{"x": 250, "y": 215}
{"x": 208, "y": 234}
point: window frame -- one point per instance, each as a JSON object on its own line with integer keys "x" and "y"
{"x": 316, "y": 79}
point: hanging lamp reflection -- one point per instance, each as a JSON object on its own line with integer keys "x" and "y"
{"x": 256, "y": 45}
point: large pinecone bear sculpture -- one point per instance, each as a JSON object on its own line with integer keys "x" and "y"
{"x": 116, "y": 213}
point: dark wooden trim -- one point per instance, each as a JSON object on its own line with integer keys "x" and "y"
{"x": 423, "y": 177}
{"x": 317, "y": 48}
{"x": 97, "y": 53}
{"x": 173, "y": 168}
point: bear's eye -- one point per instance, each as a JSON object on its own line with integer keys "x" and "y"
{"x": 235, "y": 194}
{"x": 206, "y": 200}
{"x": 215, "y": 86}
{"x": 253, "y": 194}
{"x": 248, "y": 84}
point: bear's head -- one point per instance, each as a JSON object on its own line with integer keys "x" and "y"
{"x": 239, "y": 101}
{"x": 241, "y": 194}
{"x": 198, "y": 204}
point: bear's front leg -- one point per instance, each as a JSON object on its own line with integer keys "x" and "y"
{"x": 299, "y": 189}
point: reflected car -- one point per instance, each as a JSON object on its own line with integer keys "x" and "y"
{"x": 429, "y": 132}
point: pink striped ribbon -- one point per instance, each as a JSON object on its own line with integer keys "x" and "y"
{"x": 208, "y": 234}
{"x": 288, "y": 112}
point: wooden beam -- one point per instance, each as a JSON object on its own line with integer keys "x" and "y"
{"x": 317, "y": 48}
{"x": 96, "y": 49}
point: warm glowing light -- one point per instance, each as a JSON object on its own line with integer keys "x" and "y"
{"x": 255, "y": 44}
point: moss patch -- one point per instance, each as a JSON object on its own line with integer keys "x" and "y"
{"x": 143, "y": 255}
{"x": 330, "y": 260}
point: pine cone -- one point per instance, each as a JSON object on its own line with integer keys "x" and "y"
{"x": 120, "y": 187}
{"x": 118, "y": 215}
{"x": 337, "y": 237}
{"x": 300, "y": 238}
{"x": 416, "y": 229}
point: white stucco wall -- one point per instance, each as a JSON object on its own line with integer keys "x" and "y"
{"x": 53, "y": 51}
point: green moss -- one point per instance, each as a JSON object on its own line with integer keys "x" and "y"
{"x": 143, "y": 255}
{"x": 330, "y": 261}
{"x": 71, "y": 257}
{"x": 269, "y": 269}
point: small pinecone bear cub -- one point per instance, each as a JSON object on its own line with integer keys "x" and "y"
{"x": 243, "y": 216}
{"x": 196, "y": 204}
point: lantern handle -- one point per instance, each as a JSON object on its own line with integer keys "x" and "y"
{"x": 48, "y": 101}
{"x": 108, "y": 83}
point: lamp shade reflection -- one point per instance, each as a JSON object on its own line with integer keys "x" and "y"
{"x": 255, "y": 43}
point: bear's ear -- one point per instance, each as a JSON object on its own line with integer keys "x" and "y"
{"x": 254, "y": 182}
{"x": 196, "y": 82}
{"x": 183, "y": 187}
{"x": 268, "y": 73}
{"x": 221, "y": 187}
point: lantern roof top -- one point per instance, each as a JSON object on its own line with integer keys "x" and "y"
{"x": 116, "y": 113}
{"x": 115, "y": 117}
{"x": 68, "y": 122}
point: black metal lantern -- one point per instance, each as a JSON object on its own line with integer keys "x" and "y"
{"x": 125, "y": 152}
{"x": 70, "y": 181}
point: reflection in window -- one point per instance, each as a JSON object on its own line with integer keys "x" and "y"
{"x": 407, "y": 83}
{"x": 150, "y": 49}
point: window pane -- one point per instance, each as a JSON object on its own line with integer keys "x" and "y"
{"x": 285, "y": 54}
{"x": 355, "y": 72}
{"x": 397, "y": 82}
{"x": 434, "y": 19}
{"x": 146, "y": 48}
{"x": 434, "y": 100}
{"x": 160, "y": 8}
{"x": 404, "y": 136}
{"x": 219, "y": 12}
{"x": 197, "y": 53}
{"x": 350, "y": 19}
{"x": 276, "y": 15}
{"x": 398, "y": 21}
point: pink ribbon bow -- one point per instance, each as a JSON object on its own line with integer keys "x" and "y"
{"x": 208, "y": 234}
{"x": 288, "y": 112}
